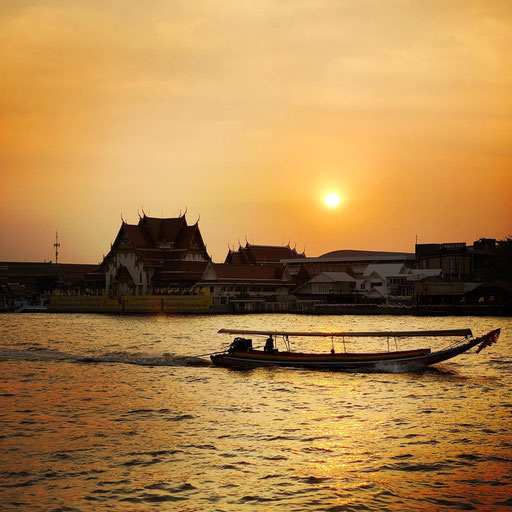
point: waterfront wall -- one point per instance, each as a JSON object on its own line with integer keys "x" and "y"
{"x": 130, "y": 304}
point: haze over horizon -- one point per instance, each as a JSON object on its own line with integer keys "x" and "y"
{"x": 248, "y": 114}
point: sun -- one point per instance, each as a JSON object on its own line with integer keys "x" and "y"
{"x": 332, "y": 200}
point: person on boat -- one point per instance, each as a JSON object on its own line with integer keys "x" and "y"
{"x": 269, "y": 345}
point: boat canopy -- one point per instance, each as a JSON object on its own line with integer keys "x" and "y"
{"x": 355, "y": 334}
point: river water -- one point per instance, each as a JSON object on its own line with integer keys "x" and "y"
{"x": 113, "y": 413}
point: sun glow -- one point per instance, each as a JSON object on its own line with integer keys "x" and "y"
{"x": 332, "y": 200}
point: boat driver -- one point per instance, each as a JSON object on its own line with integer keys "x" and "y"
{"x": 269, "y": 345}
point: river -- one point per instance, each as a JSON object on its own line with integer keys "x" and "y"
{"x": 118, "y": 413}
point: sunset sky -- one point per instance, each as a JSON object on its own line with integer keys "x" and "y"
{"x": 249, "y": 113}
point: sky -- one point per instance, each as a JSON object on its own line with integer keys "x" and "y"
{"x": 246, "y": 114}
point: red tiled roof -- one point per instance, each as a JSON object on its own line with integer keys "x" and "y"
{"x": 15, "y": 270}
{"x": 75, "y": 272}
{"x": 261, "y": 254}
{"x": 31, "y": 274}
{"x": 185, "y": 237}
{"x": 235, "y": 258}
{"x": 163, "y": 230}
{"x": 229, "y": 271}
{"x": 180, "y": 271}
{"x": 138, "y": 236}
{"x": 150, "y": 232}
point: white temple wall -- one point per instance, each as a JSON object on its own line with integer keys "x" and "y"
{"x": 135, "y": 268}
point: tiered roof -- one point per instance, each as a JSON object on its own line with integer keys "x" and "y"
{"x": 261, "y": 254}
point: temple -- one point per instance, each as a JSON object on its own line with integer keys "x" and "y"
{"x": 154, "y": 256}
{"x": 261, "y": 255}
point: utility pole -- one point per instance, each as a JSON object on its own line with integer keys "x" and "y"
{"x": 56, "y": 245}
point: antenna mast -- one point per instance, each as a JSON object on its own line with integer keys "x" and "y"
{"x": 56, "y": 245}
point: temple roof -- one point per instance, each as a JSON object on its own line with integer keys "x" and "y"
{"x": 157, "y": 240}
{"x": 261, "y": 254}
{"x": 138, "y": 236}
{"x": 163, "y": 230}
{"x": 186, "y": 236}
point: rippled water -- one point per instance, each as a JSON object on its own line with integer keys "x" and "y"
{"x": 113, "y": 413}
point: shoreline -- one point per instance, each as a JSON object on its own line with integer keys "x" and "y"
{"x": 317, "y": 310}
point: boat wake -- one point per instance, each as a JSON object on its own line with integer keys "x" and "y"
{"x": 145, "y": 360}
{"x": 404, "y": 367}
{"x": 394, "y": 367}
{"x": 37, "y": 353}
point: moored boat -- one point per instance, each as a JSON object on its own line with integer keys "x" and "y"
{"x": 241, "y": 353}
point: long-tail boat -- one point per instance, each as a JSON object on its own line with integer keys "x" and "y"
{"x": 241, "y": 353}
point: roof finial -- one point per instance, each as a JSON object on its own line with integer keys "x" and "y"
{"x": 179, "y": 214}
{"x": 288, "y": 244}
{"x": 143, "y": 212}
{"x": 246, "y": 241}
{"x": 239, "y": 244}
{"x": 185, "y": 212}
{"x": 122, "y": 220}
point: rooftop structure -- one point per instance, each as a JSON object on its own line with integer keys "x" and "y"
{"x": 367, "y": 256}
{"x": 261, "y": 254}
{"x": 39, "y": 277}
{"x": 456, "y": 259}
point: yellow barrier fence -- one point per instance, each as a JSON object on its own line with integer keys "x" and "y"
{"x": 130, "y": 303}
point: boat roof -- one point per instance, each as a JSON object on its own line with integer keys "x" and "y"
{"x": 368, "y": 334}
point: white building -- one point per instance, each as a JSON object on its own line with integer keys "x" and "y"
{"x": 328, "y": 283}
{"x": 387, "y": 282}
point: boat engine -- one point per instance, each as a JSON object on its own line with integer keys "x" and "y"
{"x": 241, "y": 344}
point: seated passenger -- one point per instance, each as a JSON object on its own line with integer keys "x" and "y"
{"x": 269, "y": 345}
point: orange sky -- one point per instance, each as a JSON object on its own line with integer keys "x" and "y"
{"x": 248, "y": 113}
